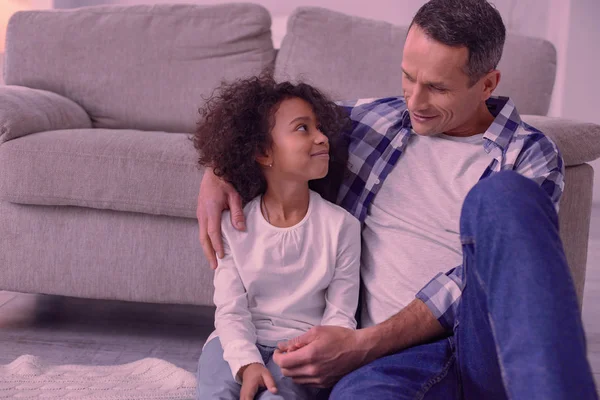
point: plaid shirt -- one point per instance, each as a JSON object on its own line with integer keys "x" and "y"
{"x": 380, "y": 132}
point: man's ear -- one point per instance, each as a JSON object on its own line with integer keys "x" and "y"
{"x": 490, "y": 83}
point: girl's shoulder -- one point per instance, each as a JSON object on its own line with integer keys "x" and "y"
{"x": 337, "y": 223}
{"x": 249, "y": 209}
{"x": 332, "y": 212}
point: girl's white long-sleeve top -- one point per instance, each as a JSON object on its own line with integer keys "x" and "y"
{"x": 276, "y": 283}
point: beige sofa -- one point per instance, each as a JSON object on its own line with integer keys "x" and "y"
{"x": 98, "y": 180}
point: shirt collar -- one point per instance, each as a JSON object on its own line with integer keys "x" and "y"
{"x": 500, "y": 133}
{"x": 506, "y": 122}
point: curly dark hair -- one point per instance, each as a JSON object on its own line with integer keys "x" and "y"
{"x": 235, "y": 127}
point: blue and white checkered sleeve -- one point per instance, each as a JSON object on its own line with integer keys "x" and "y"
{"x": 348, "y": 105}
{"x": 442, "y": 296}
{"x": 541, "y": 162}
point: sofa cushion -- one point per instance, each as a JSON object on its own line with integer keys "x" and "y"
{"x": 348, "y": 57}
{"x": 351, "y": 57}
{"x": 147, "y": 172}
{"x": 102, "y": 254}
{"x": 142, "y": 67}
{"x": 24, "y": 110}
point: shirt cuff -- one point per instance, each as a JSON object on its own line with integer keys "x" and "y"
{"x": 239, "y": 353}
{"x": 341, "y": 322}
{"x": 442, "y": 295}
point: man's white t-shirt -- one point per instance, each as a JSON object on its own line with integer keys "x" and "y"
{"x": 412, "y": 228}
{"x": 276, "y": 283}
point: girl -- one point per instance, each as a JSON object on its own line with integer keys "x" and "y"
{"x": 297, "y": 264}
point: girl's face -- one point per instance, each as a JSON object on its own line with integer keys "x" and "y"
{"x": 300, "y": 151}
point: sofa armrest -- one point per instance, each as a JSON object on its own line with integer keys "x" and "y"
{"x": 24, "y": 111}
{"x": 578, "y": 142}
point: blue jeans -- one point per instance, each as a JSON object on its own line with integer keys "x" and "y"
{"x": 518, "y": 333}
{"x": 215, "y": 380}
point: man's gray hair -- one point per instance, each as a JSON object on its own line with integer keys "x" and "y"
{"x": 475, "y": 24}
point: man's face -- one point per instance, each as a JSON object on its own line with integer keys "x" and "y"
{"x": 436, "y": 87}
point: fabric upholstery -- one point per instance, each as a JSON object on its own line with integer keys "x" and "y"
{"x": 82, "y": 252}
{"x": 156, "y": 172}
{"x": 144, "y": 67}
{"x": 351, "y": 57}
{"x": 147, "y": 172}
{"x": 141, "y": 257}
{"x": 24, "y": 111}
{"x": 578, "y": 142}
{"x": 574, "y": 218}
{"x": 347, "y": 57}
{"x": 528, "y": 71}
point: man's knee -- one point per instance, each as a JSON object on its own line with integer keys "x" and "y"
{"x": 367, "y": 382}
{"x": 403, "y": 375}
{"x": 348, "y": 387}
{"x": 505, "y": 194}
{"x": 505, "y": 187}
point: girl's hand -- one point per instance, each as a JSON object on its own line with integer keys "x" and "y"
{"x": 253, "y": 377}
{"x": 293, "y": 346}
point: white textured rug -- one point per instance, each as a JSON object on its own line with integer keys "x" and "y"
{"x": 29, "y": 377}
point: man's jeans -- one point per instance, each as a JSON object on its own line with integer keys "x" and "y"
{"x": 518, "y": 332}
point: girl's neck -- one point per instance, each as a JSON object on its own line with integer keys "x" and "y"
{"x": 285, "y": 205}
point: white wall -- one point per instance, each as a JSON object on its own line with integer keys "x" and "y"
{"x": 9, "y": 7}
{"x": 582, "y": 85}
{"x": 557, "y": 32}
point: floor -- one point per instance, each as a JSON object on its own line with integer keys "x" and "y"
{"x": 88, "y": 332}
{"x": 78, "y": 331}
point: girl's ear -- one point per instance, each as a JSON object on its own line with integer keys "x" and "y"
{"x": 266, "y": 160}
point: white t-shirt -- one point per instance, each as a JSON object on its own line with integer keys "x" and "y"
{"x": 412, "y": 228}
{"x": 276, "y": 283}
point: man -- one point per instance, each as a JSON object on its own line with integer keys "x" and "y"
{"x": 467, "y": 293}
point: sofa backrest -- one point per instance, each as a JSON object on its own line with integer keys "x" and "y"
{"x": 141, "y": 67}
{"x": 352, "y": 57}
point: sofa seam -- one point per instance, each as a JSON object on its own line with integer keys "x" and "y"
{"x": 14, "y": 197}
{"x": 84, "y": 155}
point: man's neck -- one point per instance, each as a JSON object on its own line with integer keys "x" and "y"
{"x": 479, "y": 123}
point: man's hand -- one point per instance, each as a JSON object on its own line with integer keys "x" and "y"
{"x": 216, "y": 195}
{"x": 322, "y": 356}
{"x": 253, "y": 377}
